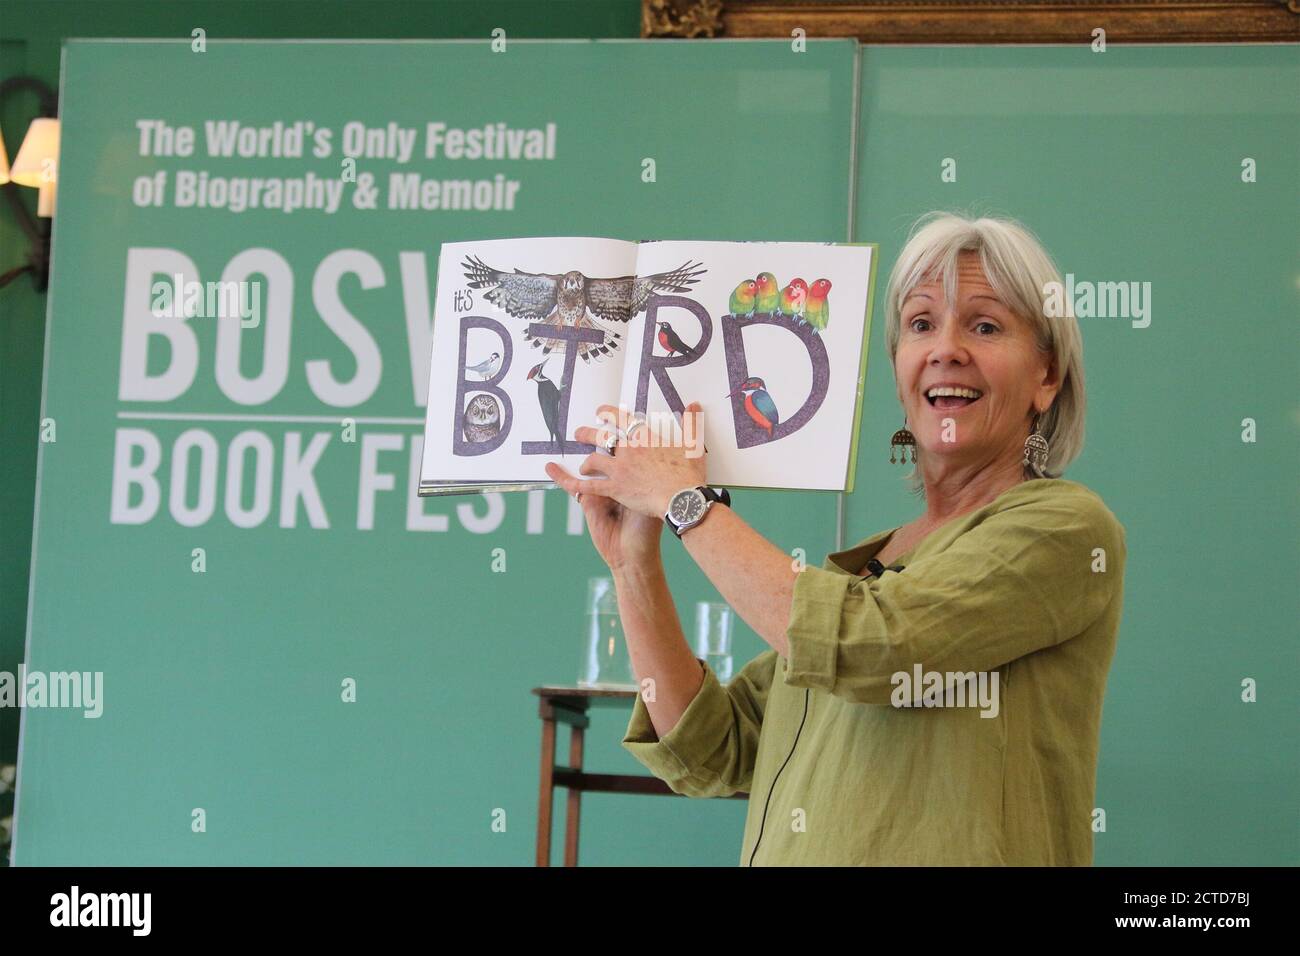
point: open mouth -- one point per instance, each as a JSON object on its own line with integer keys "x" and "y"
{"x": 948, "y": 397}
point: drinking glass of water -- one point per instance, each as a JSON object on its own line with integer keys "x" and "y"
{"x": 713, "y": 622}
{"x": 606, "y": 663}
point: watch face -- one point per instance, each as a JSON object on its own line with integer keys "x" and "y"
{"x": 687, "y": 506}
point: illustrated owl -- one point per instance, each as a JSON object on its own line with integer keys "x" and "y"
{"x": 565, "y": 300}
{"x": 482, "y": 419}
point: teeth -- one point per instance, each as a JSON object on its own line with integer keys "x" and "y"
{"x": 958, "y": 392}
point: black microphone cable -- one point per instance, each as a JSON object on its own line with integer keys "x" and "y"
{"x": 763, "y": 822}
{"x": 877, "y": 569}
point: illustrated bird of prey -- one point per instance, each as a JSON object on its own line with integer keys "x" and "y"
{"x": 482, "y": 419}
{"x": 758, "y": 404}
{"x": 486, "y": 368}
{"x": 566, "y": 299}
{"x": 672, "y": 342}
{"x": 817, "y": 311}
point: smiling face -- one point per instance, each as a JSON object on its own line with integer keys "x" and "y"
{"x": 977, "y": 346}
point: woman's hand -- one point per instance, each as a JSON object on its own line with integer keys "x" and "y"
{"x": 625, "y": 509}
{"x": 623, "y": 538}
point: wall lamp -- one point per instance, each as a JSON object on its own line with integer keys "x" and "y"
{"x": 36, "y": 165}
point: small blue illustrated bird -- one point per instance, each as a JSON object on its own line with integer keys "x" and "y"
{"x": 758, "y": 404}
{"x": 672, "y": 342}
{"x": 486, "y": 368}
{"x": 548, "y": 397}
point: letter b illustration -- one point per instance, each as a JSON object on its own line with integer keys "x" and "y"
{"x": 483, "y": 424}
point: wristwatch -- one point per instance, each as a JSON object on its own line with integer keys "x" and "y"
{"x": 688, "y": 507}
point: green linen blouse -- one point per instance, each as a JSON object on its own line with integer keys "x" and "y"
{"x": 1023, "y": 595}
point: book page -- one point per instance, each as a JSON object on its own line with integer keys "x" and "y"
{"x": 771, "y": 342}
{"x": 528, "y": 339}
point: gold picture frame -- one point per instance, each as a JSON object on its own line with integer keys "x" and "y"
{"x": 1003, "y": 21}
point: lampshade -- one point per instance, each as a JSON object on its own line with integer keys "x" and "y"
{"x": 4, "y": 160}
{"x": 40, "y": 144}
{"x": 37, "y": 162}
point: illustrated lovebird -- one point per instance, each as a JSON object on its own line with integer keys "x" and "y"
{"x": 486, "y": 368}
{"x": 671, "y": 342}
{"x": 817, "y": 311}
{"x": 768, "y": 294}
{"x": 742, "y": 298}
{"x": 793, "y": 297}
{"x": 548, "y": 397}
{"x": 758, "y": 404}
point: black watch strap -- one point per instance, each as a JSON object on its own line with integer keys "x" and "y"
{"x": 720, "y": 495}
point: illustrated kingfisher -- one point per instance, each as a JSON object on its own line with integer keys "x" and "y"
{"x": 548, "y": 396}
{"x": 758, "y": 404}
{"x": 671, "y": 342}
{"x": 486, "y": 368}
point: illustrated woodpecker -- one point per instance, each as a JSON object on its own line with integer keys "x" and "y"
{"x": 548, "y": 396}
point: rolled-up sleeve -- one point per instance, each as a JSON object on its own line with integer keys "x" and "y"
{"x": 1025, "y": 578}
{"x": 711, "y": 750}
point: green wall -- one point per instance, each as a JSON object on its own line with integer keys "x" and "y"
{"x": 1128, "y": 166}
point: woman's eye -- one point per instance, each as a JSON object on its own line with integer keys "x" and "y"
{"x": 991, "y": 327}
{"x": 918, "y": 321}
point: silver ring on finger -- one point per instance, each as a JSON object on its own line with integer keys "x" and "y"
{"x": 610, "y": 443}
{"x": 639, "y": 423}
{"x": 578, "y": 498}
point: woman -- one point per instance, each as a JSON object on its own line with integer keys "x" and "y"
{"x": 850, "y": 734}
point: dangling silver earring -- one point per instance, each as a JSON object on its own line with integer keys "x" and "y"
{"x": 1036, "y": 450}
{"x": 902, "y": 440}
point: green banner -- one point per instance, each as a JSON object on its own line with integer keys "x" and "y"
{"x": 294, "y": 658}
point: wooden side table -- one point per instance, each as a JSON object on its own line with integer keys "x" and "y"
{"x": 569, "y": 705}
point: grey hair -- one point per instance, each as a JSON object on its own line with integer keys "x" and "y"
{"x": 1020, "y": 270}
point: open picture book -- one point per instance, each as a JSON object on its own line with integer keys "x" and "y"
{"x": 531, "y": 336}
